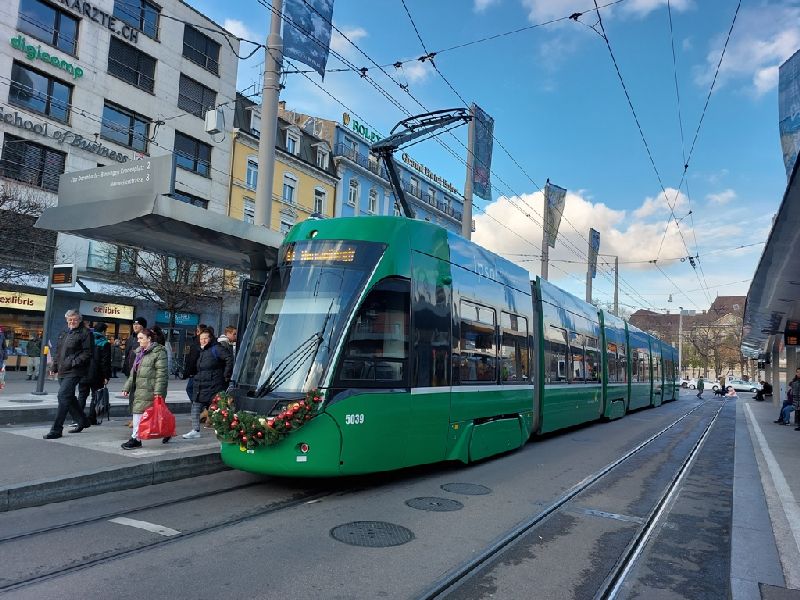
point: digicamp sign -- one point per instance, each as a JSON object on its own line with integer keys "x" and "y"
{"x": 36, "y": 53}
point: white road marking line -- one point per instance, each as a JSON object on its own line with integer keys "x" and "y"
{"x": 788, "y": 502}
{"x": 159, "y": 529}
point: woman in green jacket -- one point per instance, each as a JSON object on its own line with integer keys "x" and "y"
{"x": 148, "y": 379}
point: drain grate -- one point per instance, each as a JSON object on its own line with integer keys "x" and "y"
{"x": 434, "y": 504}
{"x": 468, "y": 489}
{"x": 372, "y": 534}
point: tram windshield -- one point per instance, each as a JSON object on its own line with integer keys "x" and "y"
{"x": 300, "y": 316}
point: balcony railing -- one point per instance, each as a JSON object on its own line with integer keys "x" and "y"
{"x": 362, "y": 160}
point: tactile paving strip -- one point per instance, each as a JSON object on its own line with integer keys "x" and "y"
{"x": 373, "y": 534}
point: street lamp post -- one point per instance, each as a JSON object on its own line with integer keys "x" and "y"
{"x": 680, "y": 341}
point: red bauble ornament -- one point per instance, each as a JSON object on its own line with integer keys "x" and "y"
{"x": 259, "y": 434}
{"x": 244, "y": 438}
{"x": 287, "y": 424}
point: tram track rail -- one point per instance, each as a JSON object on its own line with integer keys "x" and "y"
{"x": 448, "y": 583}
{"x": 273, "y": 508}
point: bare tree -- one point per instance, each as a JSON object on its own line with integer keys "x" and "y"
{"x": 26, "y": 251}
{"x": 175, "y": 284}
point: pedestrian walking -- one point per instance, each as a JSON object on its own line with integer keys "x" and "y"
{"x": 34, "y": 351}
{"x": 228, "y": 339}
{"x": 191, "y": 361}
{"x": 99, "y": 372}
{"x": 148, "y": 379}
{"x": 700, "y": 387}
{"x": 71, "y": 363}
{"x": 116, "y": 357}
{"x": 213, "y": 374}
{"x": 3, "y": 357}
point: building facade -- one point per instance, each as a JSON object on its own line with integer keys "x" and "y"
{"x": 304, "y": 182}
{"x": 363, "y": 184}
{"x": 109, "y": 82}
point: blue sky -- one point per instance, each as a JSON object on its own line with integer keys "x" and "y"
{"x": 561, "y": 112}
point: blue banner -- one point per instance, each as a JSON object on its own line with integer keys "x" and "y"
{"x": 554, "y": 200}
{"x": 307, "y": 34}
{"x": 186, "y": 319}
{"x": 789, "y": 110}
{"x": 482, "y": 153}
{"x": 594, "y": 248}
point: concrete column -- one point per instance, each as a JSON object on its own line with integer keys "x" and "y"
{"x": 777, "y": 393}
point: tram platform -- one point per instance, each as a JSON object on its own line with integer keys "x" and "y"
{"x": 37, "y": 471}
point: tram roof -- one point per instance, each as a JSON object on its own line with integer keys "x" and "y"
{"x": 774, "y": 295}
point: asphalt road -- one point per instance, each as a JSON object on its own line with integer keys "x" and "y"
{"x": 238, "y": 535}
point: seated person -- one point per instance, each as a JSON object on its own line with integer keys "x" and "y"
{"x": 766, "y": 390}
{"x": 786, "y": 409}
{"x": 731, "y": 393}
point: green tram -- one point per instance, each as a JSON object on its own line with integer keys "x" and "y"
{"x": 425, "y": 347}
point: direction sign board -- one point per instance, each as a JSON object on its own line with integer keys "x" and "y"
{"x": 151, "y": 176}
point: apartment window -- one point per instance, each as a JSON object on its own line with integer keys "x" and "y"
{"x": 292, "y": 143}
{"x": 194, "y": 97}
{"x": 322, "y": 158}
{"x": 131, "y": 65}
{"x": 319, "y": 201}
{"x": 140, "y": 14}
{"x": 190, "y": 199}
{"x": 414, "y": 185}
{"x": 201, "y": 49}
{"x": 352, "y": 193}
{"x": 372, "y": 207}
{"x": 31, "y": 163}
{"x": 396, "y": 210}
{"x": 252, "y": 173}
{"x": 430, "y": 196}
{"x": 289, "y": 188}
{"x": 49, "y": 25}
{"x": 286, "y": 226}
{"x": 249, "y": 210}
{"x": 124, "y": 127}
{"x": 192, "y": 155}
{"x": 39, "y": 93}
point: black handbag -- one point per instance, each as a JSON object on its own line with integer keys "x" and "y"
{"x": 102, "y": 405}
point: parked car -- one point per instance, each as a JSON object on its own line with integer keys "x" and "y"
{"x": 708, "y": 384}
{"x": 743, "y": 386}
{"x": 684, "y": 382}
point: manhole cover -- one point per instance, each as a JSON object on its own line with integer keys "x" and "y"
{"x": 435, "y": 504}
{"x": 468, "y": 489}
{"x": 373, "y": 534}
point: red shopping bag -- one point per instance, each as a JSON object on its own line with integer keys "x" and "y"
{"x": 157, "y": 421}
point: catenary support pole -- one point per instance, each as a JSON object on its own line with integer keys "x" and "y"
{"x": 270, "y": 93}
{"x": 616, "y": 286}
{"x": 466, "y": 219}
{"x": 48, "y": 314}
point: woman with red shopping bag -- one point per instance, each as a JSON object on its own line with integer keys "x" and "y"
{"x": 147, "y": 380}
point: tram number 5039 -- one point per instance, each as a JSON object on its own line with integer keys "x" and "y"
{"x": 356, "y": 419}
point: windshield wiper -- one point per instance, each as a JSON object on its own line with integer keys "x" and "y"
{"x": 283, "y": 370}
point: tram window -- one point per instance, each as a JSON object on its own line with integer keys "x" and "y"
{"x": 592, "y": 360}
{"x": 576, "y": 348}
{"x": 376, "y": 351}
{"x": 513, "y": 349}
{"x": 656, "y": 369}
{"x": 622, "y": 364}
{"x": 477, "y": 359}
{"x": 611, "y": 362}
{"x": 555, "y": 352}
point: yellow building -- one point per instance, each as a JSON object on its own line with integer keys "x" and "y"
{"x": 305, "y": 176}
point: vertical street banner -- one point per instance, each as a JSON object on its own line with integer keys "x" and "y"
{"x": 482, "y": 153}
{"x": 594, "y": 248}
{"x": 307, "y": 32}
{"x": 789, "y": 110}
{"x": 554, "y": 199}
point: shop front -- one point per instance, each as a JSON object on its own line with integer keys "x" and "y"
{"x": 21, "y": 316}
{"x": 183, "y": 331}
{"x": 117, "y": 317}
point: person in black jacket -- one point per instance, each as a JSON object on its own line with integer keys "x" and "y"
{"x": 71, "y": 362}
{"x": 212, "y": 375}
{"x": 99, "y": 372}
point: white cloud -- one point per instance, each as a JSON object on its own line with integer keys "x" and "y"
{"x": 546, "y": 10}
{"x": 722, "y": 197}
{"x": 763, "y": 38}
{"x": 341, "y": 45}
{"x": 642, "y": 8}
{"x": 240, "y": 30}
{"x": 417, "y": 71}
{"x": 661, "y": 204}
{"x": 482, "y": 5}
